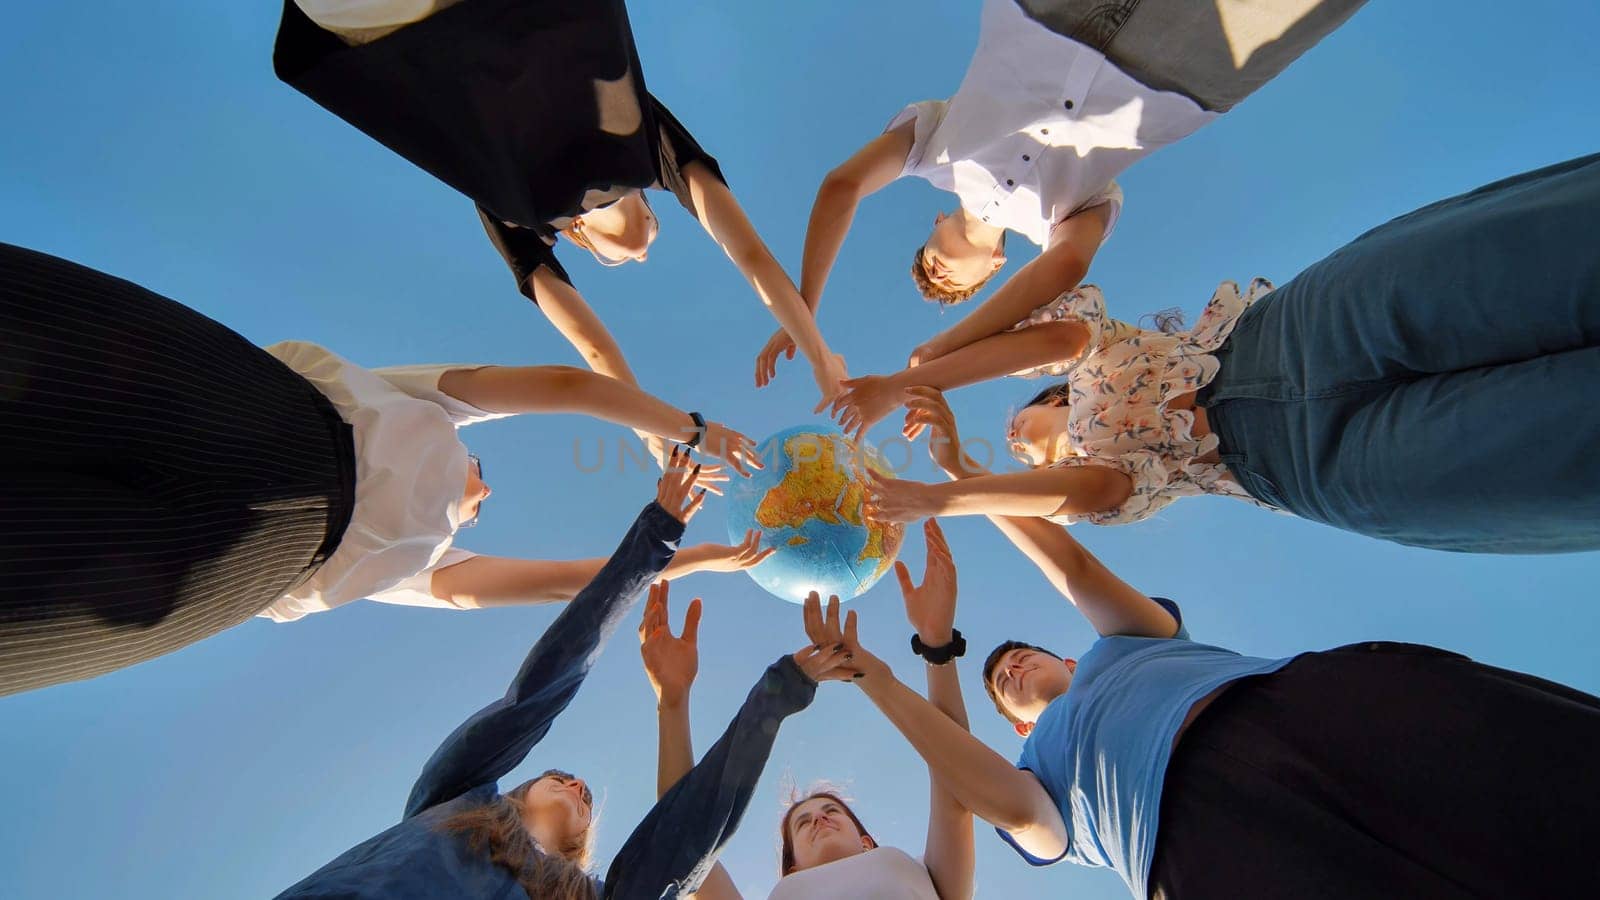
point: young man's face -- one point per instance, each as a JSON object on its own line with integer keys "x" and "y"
{"x": 955, "y": 263}
{"x": 1026, "y": 680}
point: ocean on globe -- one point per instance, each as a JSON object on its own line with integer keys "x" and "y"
{"x": 807, "y": 504}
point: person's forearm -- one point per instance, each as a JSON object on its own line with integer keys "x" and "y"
{"x": 674, "y": 847}
{"x": 1038, "y": 492}
{"x": 980, "y": 779}
{"x": 674, "y": 745}
{"x": 1042, "y": 280}
{"x": 497, "y": 738}
{"x": 997, "y": 356}
{"x": 949, "y": 852}
{"x": 565, "y": 389}
{"x": 831, "y": 215}
{"x": 779, "y": 295}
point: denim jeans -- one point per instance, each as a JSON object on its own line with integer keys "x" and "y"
{"x": 1434, "y": 382}
{"x": 1193, "y": 47}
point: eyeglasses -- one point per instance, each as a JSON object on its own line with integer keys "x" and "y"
{"x": 478, "y": 465}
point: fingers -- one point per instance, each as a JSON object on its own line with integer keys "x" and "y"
{"x": 691, "y": 622}
{"x": 907, "y": 587}
{"x": 760, "y": 558}
{"x": 824, "y": 664}
{"x": 850, "y": 630}
{"x": 693, "y": 506}
{"x": 813, "y": 619}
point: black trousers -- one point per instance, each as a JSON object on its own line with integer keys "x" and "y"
{"x": 163, "y": 479}
{"x": 1384, "y": 771}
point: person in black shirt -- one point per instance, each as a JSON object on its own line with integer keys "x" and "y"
{"x": 539, "y": 112}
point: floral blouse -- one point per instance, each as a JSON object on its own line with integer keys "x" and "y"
{"x": 1119, "y": 389}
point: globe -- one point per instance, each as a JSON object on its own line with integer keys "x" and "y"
{"x": 807, "y": 504}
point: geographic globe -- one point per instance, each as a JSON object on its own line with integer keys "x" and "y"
{"x": 807, "y": 504}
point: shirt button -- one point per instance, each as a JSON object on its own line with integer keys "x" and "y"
{"x": 1067, "y": 104}
{"x": 1044, "y": 131}
{"x": 1026, "y": 158}
{"x": 1010, "y": 183}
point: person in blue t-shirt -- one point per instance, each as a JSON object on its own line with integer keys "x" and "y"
{"x": 461, "y": 837}
{"x": 1372, "y": 770}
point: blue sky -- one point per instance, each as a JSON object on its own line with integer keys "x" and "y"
{"x": 153, "y": 142}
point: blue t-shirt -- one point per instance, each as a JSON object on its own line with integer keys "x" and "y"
{"x": 1101, "y": 749}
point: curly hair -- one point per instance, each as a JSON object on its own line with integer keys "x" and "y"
{"x": 944, "y": 296}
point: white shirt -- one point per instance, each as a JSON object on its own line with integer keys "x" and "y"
{"x": 411, "y": 472}
{"x": 887, "y": 873}
{"x": 1040, "y": 127}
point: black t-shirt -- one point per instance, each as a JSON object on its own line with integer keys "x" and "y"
{"x": 526, "y": 249}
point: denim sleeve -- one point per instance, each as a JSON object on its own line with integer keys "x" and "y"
{"x": 674, "y": 847}
{"x": 523, "y": 249}
{"x": 497, "y": 738}
{"x": 1177, "y": 615}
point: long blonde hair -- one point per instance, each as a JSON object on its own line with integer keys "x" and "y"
{"x": 497, "y": 828}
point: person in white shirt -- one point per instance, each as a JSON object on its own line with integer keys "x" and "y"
{"x": 165, "y": 479}
{"x": 411, "y": 468}
{"x": 826, "y": 850}
{"x": 1031, "y": 142}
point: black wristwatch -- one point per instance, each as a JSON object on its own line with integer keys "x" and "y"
{"x": 699, "y": 430}
{"x": 938, "y": 656}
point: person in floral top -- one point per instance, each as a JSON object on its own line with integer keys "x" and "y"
{"x": 1417, "y": 386}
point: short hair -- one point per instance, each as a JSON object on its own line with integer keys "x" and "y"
{"x": 942, "y": 295}
{"x": 993, "y": 662}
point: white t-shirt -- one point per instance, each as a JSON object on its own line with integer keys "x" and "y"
{"x": 887, "y": 873}
{"x": 1040, "y": 127}
{"x": 411, "y": 472}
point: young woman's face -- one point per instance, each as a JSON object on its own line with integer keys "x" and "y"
{"x": 820, "y": 831}
{"x": 623, "y": 231}
{"x": 1026, "y": 680}
{"x": 954, "y": 262}
{"x": 558, "y": 809}
{"x": 1038, "y": 434}
{"x": 475, "y": 493}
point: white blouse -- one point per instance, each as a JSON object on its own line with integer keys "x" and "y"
{"x": 1118, "y": 391}
{"x": 886, "y": 873}
{"x": 1040, "y": 127}
{"x": 411, "y": 473}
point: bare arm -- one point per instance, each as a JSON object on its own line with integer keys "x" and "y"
{"x": 949, "y": 853}
{"x": 1108, "y": 602}
{"x": 483, "y": 582}
{"x": 1111, "y": 605}
{"x": 576, "y": 320}
{"x": 1039, "y": 492}
{"x": 565, "y": 389}
{"x": 728, "y": 225}
{"x": 868, "y": 171}
{"x": 1046, "y": 277}
{"x": 931, "y": 612}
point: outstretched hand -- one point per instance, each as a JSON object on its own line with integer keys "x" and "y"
{"x": 864, "y": 402}
{"x": 831, "y": 375}
{"x": 931, "y": 606}
{"x": 747, "y": 554}
{"x": 671, "y": 663}
{"x": 897, "y": 500}
{"x": 731, "y": 447}
{"x": 927, "y": 410}
{"x": 827, "y": 635}
{"x": 780, "y": 344}
{"x": 676, "y": 484}
{"x": 712, "y": 477}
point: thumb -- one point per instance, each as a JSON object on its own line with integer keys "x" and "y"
{"x": 904, "y": 574}
{"x": 691, "y": 622}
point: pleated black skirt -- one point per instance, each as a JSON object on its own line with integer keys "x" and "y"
{"x": 163, "y": 478}
{"x": 1384, "y": 771}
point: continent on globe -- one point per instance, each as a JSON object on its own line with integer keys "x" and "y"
{"x": 808, "y": 504}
